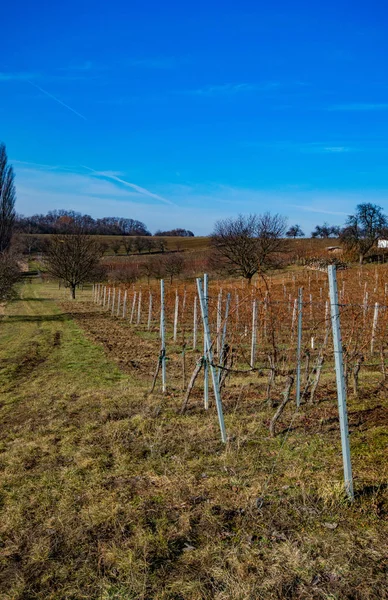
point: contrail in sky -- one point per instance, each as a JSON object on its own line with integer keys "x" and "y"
{"x": 56, "y": 99}
{"x": 131, "y": 185}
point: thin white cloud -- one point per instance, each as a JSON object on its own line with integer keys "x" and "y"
{"x": 56, "y": 99}
{"x": 157, "y": 62}
{"x": 17, "y": 76}
{"x": 336, "y": 149}
{"x": 232, "y": 88}
{"x": 319, "y": 210}
{"x": 137, "y": 188}
{"x": 362, "y": 106}
{"x": 306, "y": 147}
{"x": 196, "y": 206}
{"x": 85, "y": 66}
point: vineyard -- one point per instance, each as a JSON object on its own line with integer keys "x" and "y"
{"x": 273, "y": 337}
{"x": 254, "y": 328}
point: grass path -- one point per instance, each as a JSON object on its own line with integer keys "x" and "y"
{"x": 106, "y": 493}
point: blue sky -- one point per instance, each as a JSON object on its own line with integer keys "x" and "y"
{"x": 178, "y": 113}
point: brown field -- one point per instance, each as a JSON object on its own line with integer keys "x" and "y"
{"x": 311, "y": 246}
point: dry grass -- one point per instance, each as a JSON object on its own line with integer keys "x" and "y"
{"x": 108, "y": 493}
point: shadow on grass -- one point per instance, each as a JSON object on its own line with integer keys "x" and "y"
{"x": 33, "y": 299}
{"x": 370, "y": 490}
{"x": 36, "y": 318}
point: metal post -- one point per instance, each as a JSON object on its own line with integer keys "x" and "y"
{"x": 227, "y": 304}
{"x": 113, "y": 301}
{"x": 225, "y": 321}
{"x": 299, "y": 346}
{"x": 254, "y": 330}
{"x": 125, "y": 304}
{"x": 205, "y": 362}
{"x": 216, "y": 387}
{"x": 176, "y": 316}
{"x": 149, "y": 312}
{"x": 341, "y": 388}
{"x": 133, "y": 307}
{"x": 195, "y": 324}
{"x": 219, "y": 319}
{"x": 139, "y": 309}
{"x": 118, "y": 303}
{"x": 162, "y": 336}
{"x": 374, "y": 328}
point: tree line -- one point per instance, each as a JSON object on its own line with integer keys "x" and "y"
{"x": 63, "y": 221}
{"x": 320, "y": 231}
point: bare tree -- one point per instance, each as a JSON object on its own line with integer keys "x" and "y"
{"x": 9, "y": 276}
{"x": 29, "y": 243}
{"x": 7, "y": 200}
{"x": 173, "y": 265}
{"x": 248, "y": 244}
{"x": 325, "y": 231}
{"x": 161, "y": 245}
{"x": 363, "y": 229}
{"x": 127, "y": 242}
{"x": 116, "y": 245}
{"x": 149, "y": 244}
{"x": 158, "y": 267}
{"x": 73, "y": 258}
{"x": 139, "y": 244}
{"x": 147, "y": 268}
{"x": 295, "y": 231}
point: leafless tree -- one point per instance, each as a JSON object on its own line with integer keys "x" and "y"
{"x": 7, "y": 200}
{"x": 127, "y": 242}
{"x": 140, "y": 244}
{"x": 147, "y": 268}
{"x": 363, "y": 229}
{"x": 29, "y": 243}
{"x": 158, "y": 268}
{"x": 116, "y": 245}
{"x": 294, "y": 231}
{"x": 173, "y": 265}
{"x": 73, "y": 258}
{"x": 248, "y": 244}
{"x": 161, "y": 245}
{"x": 149, "y": 244}
{"x": 9, "y": 276}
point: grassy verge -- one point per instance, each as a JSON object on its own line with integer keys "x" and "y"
{"x": 107, "y": 493}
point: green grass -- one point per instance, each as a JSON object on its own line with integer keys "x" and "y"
{"x": 107, "y": 493}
